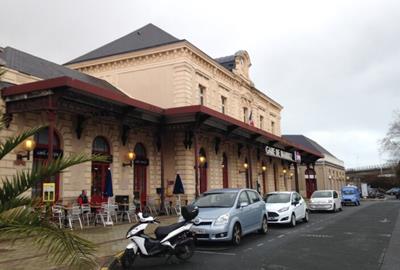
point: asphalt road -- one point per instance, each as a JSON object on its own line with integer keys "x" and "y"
{"x": 356, "y": 238}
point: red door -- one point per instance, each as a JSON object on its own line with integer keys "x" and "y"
{"x": 140, "y": 185}
{"x": 203, "y": 179}
{"x": 99, "y": 171}
{"x": 264, "y": 183}
{"x": 275, "y": 177}
{"x": 40, "y": 157}
{"x": 311, "y": 186}
{"x": 225, "y": 172}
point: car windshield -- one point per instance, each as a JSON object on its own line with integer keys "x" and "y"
{"x": 348, "y": 191}
{"x": 277, "y": 198}
{"x": 220, "y": 200}
{"x": 322, "y": 194}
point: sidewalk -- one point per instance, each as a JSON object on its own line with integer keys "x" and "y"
{"x": 109, "y": 241}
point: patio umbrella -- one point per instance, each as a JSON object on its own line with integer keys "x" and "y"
{"x": 178, "y": 190}
{"x": 109, "y": 193}
{"x": 108, "y": 190}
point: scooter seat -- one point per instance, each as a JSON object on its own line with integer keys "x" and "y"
{"x": 162, "y": 231}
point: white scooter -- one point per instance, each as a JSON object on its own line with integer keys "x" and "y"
{"x": 175, "y": 239}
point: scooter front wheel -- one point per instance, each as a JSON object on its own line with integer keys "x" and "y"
{"x": 127, "y": 259}
{"x": 185, "y": 251}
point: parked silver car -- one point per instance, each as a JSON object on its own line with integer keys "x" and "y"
{"x": 228, "y": 214}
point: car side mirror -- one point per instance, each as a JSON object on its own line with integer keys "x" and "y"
{"x": 296, "y": 202}
{"x": 243, "y": 204}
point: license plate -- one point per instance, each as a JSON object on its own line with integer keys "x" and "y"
{"x": 199, "y": 231}
{"x": 272, "y": 219}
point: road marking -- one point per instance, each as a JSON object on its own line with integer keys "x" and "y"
{"x": 385, "y": 235}
{"x": 382, "y": 256}
{"x": 261, "y": 244}
{"x": 270, "y": 240}
{"x": 385, "y": 220}
{"x": 348, "y": 233}
{"x": 280, "y": 236}
{"x": 216, "y": 253}
{"x": 317, "y": 235}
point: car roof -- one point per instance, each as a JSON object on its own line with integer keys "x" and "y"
{"x": 225, "y": 190}
{"x": 281, "y": 192}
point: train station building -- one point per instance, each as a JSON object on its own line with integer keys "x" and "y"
{"x": 156, "y": 106}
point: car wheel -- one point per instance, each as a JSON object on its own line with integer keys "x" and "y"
{"x": 264, "y": 226}
{"x": 293, "y": 221}
{"x": 236, "y": 234}
{"x": 306, "y": 216}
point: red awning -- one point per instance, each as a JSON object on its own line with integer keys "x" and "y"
{"x": 173, "y": 114}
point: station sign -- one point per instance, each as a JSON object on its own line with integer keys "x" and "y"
{"x": 276, "y": 152}
{"x": 43, "y": 153}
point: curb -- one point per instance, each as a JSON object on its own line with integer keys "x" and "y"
{"x": 112, "y": 261}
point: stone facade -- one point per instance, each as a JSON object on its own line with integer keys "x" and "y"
{"x": 180, "y": 70}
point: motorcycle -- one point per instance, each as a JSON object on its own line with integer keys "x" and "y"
{"x": 175, "y": 239}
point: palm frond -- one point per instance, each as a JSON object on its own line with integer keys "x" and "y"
{"x": 62, "y": 247}
{"x": 17, "y": 202}
{"x": 12, "y": 142}
{"x": 24, "y": 180}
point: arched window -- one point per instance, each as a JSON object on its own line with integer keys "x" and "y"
{"x": 140, "y": 151}
{"x": 100, "y": 146}
{"x": 42, "y": 138}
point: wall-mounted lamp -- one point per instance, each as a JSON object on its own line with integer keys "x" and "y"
{"x": 28, "y": 145}
{"x": 291, "y": 175}
{"x": 330, "y": 177}
{"x": 263, "y": 168}
{"x": 130, "y": 156}
{"x": 202, "y": 159}
{"x": 246, "y": 165}
{"x": 348, "y": 178}
{"x": 284, "y": 171}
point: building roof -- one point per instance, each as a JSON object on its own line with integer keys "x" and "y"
{"x": 307, "y": 142}
{"x": 38, "y": 67}
{"x": 145, "y": 37}
{"x": 227, "y": 62}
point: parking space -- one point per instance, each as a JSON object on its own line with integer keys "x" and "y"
{"x": 329, "y": 239}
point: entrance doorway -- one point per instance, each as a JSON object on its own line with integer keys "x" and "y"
{"x": 40, "y": 157}
{"x": 203, "y": 171}
{"x": 276, "y": 177}
{"x": 264, "y": 177}
{"x": 224, "y": 171}
{"x": 100, "y": 146}
{"x": 311, "y": 182}
{"x": 140, "y": 174}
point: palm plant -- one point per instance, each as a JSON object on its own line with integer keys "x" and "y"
{"x": 19, "y": 216}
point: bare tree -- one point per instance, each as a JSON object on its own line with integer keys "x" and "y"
{"x": 391, "y": 142}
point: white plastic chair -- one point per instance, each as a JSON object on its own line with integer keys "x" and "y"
{"x": 86, "y": 212}
{"x": 131, "y": 211}
{"x": 58, "y": 213}
{"x": 75, "y": 214}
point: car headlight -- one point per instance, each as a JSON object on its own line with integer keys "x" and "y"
{"x": 222, "y": 220}
{"x": 283, "y": 209}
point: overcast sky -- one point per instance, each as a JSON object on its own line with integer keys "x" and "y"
{"x": 333, "y": 66}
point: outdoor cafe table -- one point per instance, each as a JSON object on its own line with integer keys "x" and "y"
{"x": 67, "y": 208}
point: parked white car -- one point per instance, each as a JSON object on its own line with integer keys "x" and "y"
{"x": 328, "y": 200}
{"x": 286, "y": 207}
